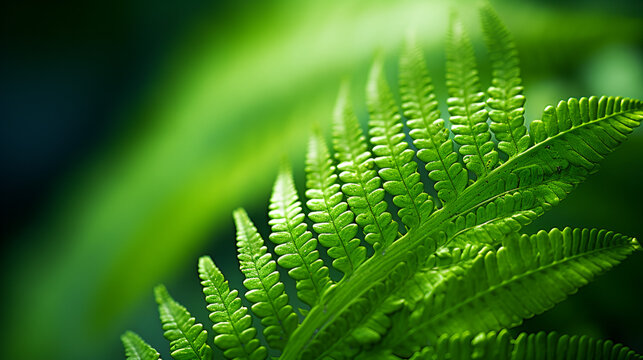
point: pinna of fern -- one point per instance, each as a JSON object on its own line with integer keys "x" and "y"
{"x": 455, "y": 272}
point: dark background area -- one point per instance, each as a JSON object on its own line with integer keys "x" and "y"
{"x": 74, "y": 75}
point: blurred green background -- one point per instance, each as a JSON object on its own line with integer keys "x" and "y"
{"x": 131, "y": 129}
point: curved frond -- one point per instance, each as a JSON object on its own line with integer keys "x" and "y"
{"x": 188, "y": 339}
{"x": 467, "y": 104}
{"x": 136, "y": 348}
{"x": 362, "y": 186}
{"x": 265, "y": 290}
{"x": 505, "y": 93}
{"x": 333, "y": 220}
{"x": 296, "y": 247}
{"x": 539, "y": 346}
{"x": 526, "y": 276}
{"x": 394, "y": 158}
{"x": 428, "y": 131}
{"x": 235, "y": 335}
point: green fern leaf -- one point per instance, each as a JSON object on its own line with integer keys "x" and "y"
{"x": 136, "y": 348}
{"x": 459, "y": 270}
{"x": 526, "y": 276}
{"x": 262, "y": 281}
{"x": 188, "y": 340}
{"x": 296, "y": 247}
{"x": 395, "y": 160}
{"x": 428, "y": 131}
{"x": 232, "y": 324}
{"x": 539, "y": 346}
{"x": 362, "y": 185}
{"x": 333, "y": 220}
{"x": 505, "y": 93}
{"x": 467, "y": 104}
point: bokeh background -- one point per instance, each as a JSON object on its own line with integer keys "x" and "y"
{"x": 131, "y": 129}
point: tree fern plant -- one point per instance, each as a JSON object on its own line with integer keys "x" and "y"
{"x": 447, "y": 275}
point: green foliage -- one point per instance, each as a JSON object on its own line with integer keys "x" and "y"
{"x": 460, "y": 273}
{"x": 188, "y": 340}
{"x": 262, "y": 281}
{"x": 362, "y": 185}
{"x": 333, "y": 221}
{"x": 136, "y": 348}
{"x": 540, "y": 346}
{"x": 296, "y": 247}
{"x": 235, "y": 335}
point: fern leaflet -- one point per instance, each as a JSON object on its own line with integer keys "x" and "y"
{"x": 187, "y": 338}
{"x": 232, "y": 324}
{"x": 362, "y": 185}
{"x": 137, "y": 349}
{"x": 394, "y": 159}
{"x": 430, "y": 135}
{"x": 262, "y": 281}
{"x": 296, "y": 246}
{"x": 505, "y": 93}
{"x": 333, "y": 220}
{"x": 466, "y": 104}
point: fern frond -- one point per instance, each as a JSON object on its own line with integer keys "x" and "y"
{"x": 459, "y": 270}
{"x": 505, "y": 93}
{"x": 333, "y": 220}
{"x": 232, "y": 323}
{"x": 136, "y": 348}
{"x": 467, "y": 104}
{"x": 394, "y": 158}
{"x": 188, "y": 339}
{"x": 428, "y": 131}
{"x": 539, "y": 346}
{"x": 296, "y": 247}
{"x": 526, "y": 276}
{"x": 362, "y": 185}
{"x": 265, "y": 290}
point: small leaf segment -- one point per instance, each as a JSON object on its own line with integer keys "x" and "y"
{"x": 362, "y": 186}
{"x": 505, "y": 93}
{"x": 188, "y": 339}
{"x": 137, "y": 349}
{"x": 265, "y": 290}
{"x": 467, "y": 104}
{"x": 394, "y": 158}
{"x": 296, "y": 247}
{"x": 429, "y": 133}
{"x": 235, "y": 335}
{"x": 333, "y": 221}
